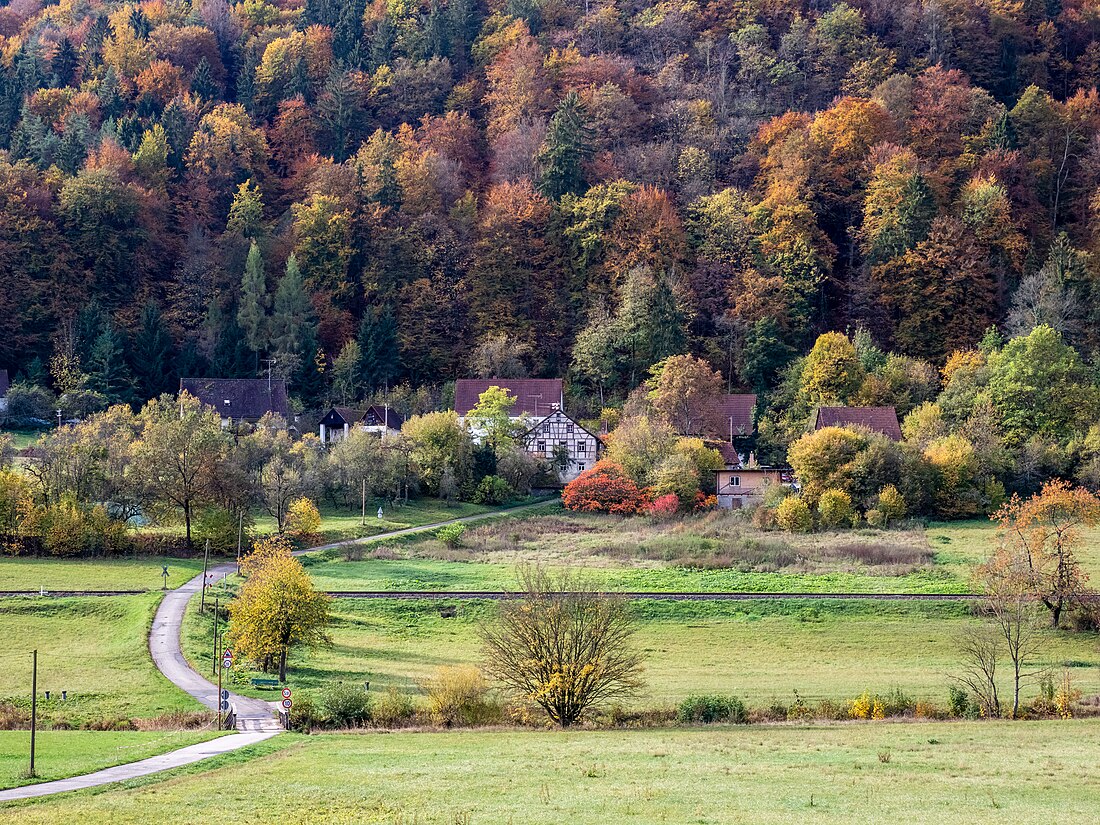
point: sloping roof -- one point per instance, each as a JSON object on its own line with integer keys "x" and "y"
{"x": 878, "y": 419}
{"x": 391, "y": 417}
{"x": 727, "y": 451}
{"x": 739, "y": 408}
{"x": 338, "y": 416}
{"x": 534, "y": 428}
{"x": 249, "y": 398}
{"x": 4, "y": 383}
{"x": 534, "y": 396}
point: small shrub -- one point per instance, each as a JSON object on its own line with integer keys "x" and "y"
{"x": 861, "y": 707}
{"x": 393, "y": 709}
{"x": 663, "y": 508}
{"x": 451, "y": 535}
{"x": 13, "y": 717}
{"x": 604, "y": 489}
{"x": 707, "y": 709}
{"x": 958, "y": 702}
{"x": 878, "y": 710}
{"x": 344, "y": 704}
{"x": 460, "y": 696}
{"x": 891, "y": 504}
{"x": 793, "y": 515}
{"x": 493, "y": 490}
{"x": 926, "y": 710}
{"x": 884, "y": 757}
{"x": 303, "y": 519}
{"x": 898, "y": 703}
{"x": 306, "y": 714}
{"x": 834, "y": 508}
{"x": 798, "y": 710}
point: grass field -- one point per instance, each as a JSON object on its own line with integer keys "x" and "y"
{"x": 26, "y": 573}
{"x": 338, "y": 524}
{"x": 96, "y": 648}
{"x": 857, "y": 774}
{"x": 60, "y": 754}
{"x": 761, "y": 651}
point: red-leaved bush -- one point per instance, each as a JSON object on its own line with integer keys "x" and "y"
{"x": 663, "y": 507}
{"x": 604, "y": 489}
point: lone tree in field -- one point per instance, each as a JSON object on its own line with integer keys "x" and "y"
{"x": 563, "y": 646}
{"x": 277, "y": 608}
{"x": 1039, "y": 537}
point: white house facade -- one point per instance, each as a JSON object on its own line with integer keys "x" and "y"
{"x": 559, "y": 437}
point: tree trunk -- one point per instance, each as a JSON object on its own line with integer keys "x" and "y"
{"x": 282, "y": 665}
{"x": 1056, "y": 614}
{"x": 187, "y": 521}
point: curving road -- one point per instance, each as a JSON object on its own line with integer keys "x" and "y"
{"x": 255, "y": 718}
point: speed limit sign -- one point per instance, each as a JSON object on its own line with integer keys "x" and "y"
{"x": 286, "y": 693}
{"x": 288, "y": 704}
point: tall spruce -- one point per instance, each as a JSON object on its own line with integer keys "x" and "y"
{"x": 254, "y": 303}
{"x": 152, "y": 355}
{"x": 378, "y": 344}
{"x": 108, "y": 371}
{"x": 568, "y": 145}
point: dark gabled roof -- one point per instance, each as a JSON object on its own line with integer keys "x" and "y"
{"x": 338, "y": 416}
{"x": 250, "y": 398}
{"x": 727, "y": 451}
{"x": 735, "y": 411}
{"x": 388, "y": 415}
{"x": 877, "y": 419}
{"x": 534, "y": 396}
{"x": 4, "y": 383}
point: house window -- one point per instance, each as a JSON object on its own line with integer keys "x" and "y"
{"x": 735, "y": 481}
{"x": 542, "y": 446}
{"x": 580, "y": 447}
{"x": 580, "y": 467}
{"x": 569, "y": 428}
{"x": 563, "y": 444}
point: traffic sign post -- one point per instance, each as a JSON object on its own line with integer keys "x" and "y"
{"x": 288, "y": 704}
{"x": 286, "y": 693}
{"x": 164, "y": 573}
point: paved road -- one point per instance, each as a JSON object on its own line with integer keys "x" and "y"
{"x": 255, "y": 717}
{"x": 155, "y": 764}
{"x": 164, "y": 644}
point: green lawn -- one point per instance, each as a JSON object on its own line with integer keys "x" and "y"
{"x": 432, "y": 574}
{"x": 857, "y": 774}
{"x": 95, "y": 647}
{"x": 60, "y": 754}
{"x": 761, "y": 651}
{"x": 26, "y": 573}
{"x": 338, "y": 524}
{"x": 21, "y": 439}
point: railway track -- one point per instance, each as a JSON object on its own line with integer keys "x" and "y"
{"x": 461, "y": 595}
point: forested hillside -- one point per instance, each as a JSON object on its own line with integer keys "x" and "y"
{"x": 559, "y": 188}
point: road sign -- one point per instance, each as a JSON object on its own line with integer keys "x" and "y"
{"x": 288, "y": 703}
{"x": 227, "y": 664}
{"x": 227, "y": 654}
{"x": 225, "y": 695}
{"x": 164, "y": 571}
{"x": 225, "y": 704}
{"x": 286, "y": 693}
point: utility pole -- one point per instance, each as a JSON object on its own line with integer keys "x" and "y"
{"x": 205, "y": 560}
{"x": 215, "y": 668}
{"x": 363, "y": 494}
{"x": 240, "y": 537}
{"x": 34, "y": 706}
{"x": 59, "y": 418}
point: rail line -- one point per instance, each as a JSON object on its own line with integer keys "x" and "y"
{"x": 497, "y": 595}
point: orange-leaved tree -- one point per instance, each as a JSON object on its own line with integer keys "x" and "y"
{"x": 1039, "y": 537}
{"x": 605, "y": 488}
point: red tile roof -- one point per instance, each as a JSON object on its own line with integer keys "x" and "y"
{"x": 878, "y": 419}
{"x": 735, "y": 412}
{"x": 535, "y": 396}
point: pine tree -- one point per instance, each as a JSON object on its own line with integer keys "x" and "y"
{"x": 90, "y": 324}
{"x": 202, "y": 81}
{"x": 293, "y": 329}
{"x": 109, "y": 373}
{"x": 74, "y": 143}
{"x": 64, "y": 63}
{"x": 152, "y": 355}
{"x": 568, "y": 145}
{"x": 378, "y": 344}
{"x": 252, "y": 310}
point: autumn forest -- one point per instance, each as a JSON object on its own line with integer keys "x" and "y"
{"x": 557, "y": 188}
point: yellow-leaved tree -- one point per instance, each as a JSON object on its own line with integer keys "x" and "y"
{"x": 277, "y": 607}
